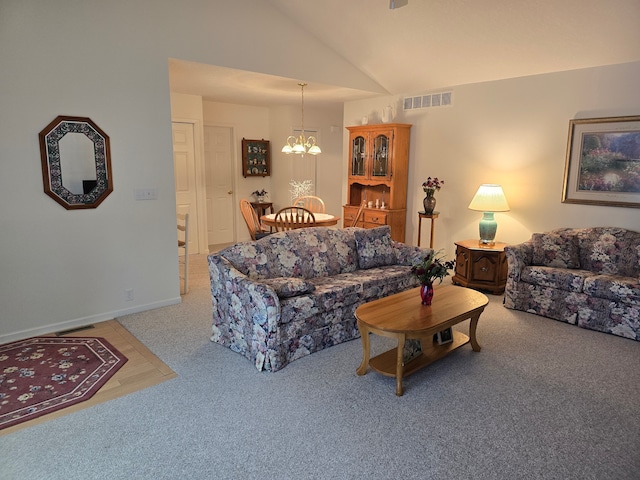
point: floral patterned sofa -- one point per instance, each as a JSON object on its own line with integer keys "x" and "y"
{"x": 584, "y": 276}
{"x": 293, "y": 293}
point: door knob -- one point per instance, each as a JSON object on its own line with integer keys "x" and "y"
{"x": 230, "y": 192}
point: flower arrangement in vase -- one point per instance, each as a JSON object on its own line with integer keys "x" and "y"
{"x": 260, "y": 195}
{"x": 430, "y": 268}
{"x": 430, "y": 186}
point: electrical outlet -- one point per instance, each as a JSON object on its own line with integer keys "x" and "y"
{"x": 128, "y": 295}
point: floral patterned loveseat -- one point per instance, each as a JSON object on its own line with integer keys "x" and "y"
{"x": 293, "y": 293}
{"x": 584, "y": 276}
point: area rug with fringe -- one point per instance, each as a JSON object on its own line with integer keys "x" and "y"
{"x": 41, "y": 375}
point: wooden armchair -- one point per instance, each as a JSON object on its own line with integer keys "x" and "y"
{"x": 354, "y": 223}
{"x": 311, "y": 203}
{"x": 290, "y": 218}
{"x": 256, "y": 229}
{"x": 183, "y": 243}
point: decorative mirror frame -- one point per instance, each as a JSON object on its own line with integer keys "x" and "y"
{"x": 50, "y": 137}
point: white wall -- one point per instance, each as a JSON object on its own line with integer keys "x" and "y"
{"x": 247, "y": 122}
{"x": 108, "y": 61}
{"x": 188, "y": 109}
{"x": 62, "y": 268}
{"x": 275, "y": 124}
{"x": 328, "y": 123}
{"x": 513, "y": 132}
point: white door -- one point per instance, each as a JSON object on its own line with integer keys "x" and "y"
{"x": 185, "y": 177}
{"x": 219, "y": 184}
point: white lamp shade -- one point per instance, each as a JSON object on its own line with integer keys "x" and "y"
{"x": 489, "y": 198}
{"x": 315, "y": 150}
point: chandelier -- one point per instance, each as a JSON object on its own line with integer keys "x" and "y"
{"x": 301, "y": 144}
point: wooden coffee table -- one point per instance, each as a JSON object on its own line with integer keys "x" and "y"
{"x": 403, "y": 316}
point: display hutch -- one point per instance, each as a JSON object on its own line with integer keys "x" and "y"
{"x": 378, "y": 171}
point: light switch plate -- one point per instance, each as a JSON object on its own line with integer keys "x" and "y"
{"x": 146, "y": 194}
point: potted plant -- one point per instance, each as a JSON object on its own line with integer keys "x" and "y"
{"x": 430, "y": 268}
{"x": 260, "y": 195}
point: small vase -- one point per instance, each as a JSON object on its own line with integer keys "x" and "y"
{"x": 429, "y": 203}
{"x": 426, "y": 293}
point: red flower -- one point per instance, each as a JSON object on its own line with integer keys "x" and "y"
{"x": 432, "y": 183}
{"x": 432, "y": 267}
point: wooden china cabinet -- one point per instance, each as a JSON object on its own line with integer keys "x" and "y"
{"x": 378, "y": 172}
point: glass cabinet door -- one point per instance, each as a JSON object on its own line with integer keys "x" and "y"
{"x": 358, "y": 156}
{"x": 380, "y": 167}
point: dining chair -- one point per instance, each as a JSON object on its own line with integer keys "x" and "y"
{"x": 183, "y": 243}
{"x": 311, "y": 203}
{"x": 354, "y": 223}
{"x": 290, "y": 218}
{"x": 256, "y": 229}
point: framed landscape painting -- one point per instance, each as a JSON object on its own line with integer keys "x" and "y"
{"x": 603, "y": 162}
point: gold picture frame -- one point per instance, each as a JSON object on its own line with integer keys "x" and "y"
{"x": 603, "y": 162}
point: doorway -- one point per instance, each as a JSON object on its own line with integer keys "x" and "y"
{"x": 209, "y": 201}
{"x": 218, "y": 155}
{"x": 184, "y": 165}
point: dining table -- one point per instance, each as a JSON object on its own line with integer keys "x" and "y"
{"x": 322, "y": 220}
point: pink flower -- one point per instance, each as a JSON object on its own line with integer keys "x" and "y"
{"x": 432, "y": 183}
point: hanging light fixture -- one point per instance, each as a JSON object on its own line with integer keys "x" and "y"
{"x": 302, "y": 144}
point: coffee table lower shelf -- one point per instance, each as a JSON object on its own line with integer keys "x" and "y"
{"x": 403, "y": 317}
{"x": 386, "y": 362}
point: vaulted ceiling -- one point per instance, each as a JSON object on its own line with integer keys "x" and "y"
{"x": 432, "y": 44}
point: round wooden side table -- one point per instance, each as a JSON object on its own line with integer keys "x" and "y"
{"x": 262, "y": 207}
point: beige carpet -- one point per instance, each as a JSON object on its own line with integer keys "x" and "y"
{"x": 543, "y": 400}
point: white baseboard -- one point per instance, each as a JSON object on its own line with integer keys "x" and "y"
{"x": 83, "y": 322}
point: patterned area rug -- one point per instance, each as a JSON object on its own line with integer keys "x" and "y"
{"x": 43, "y": 374}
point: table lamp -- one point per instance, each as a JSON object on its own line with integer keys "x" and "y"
{"x": 489, "y": 199}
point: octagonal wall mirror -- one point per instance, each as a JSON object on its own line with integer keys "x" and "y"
{"x": 76, "y": 162}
